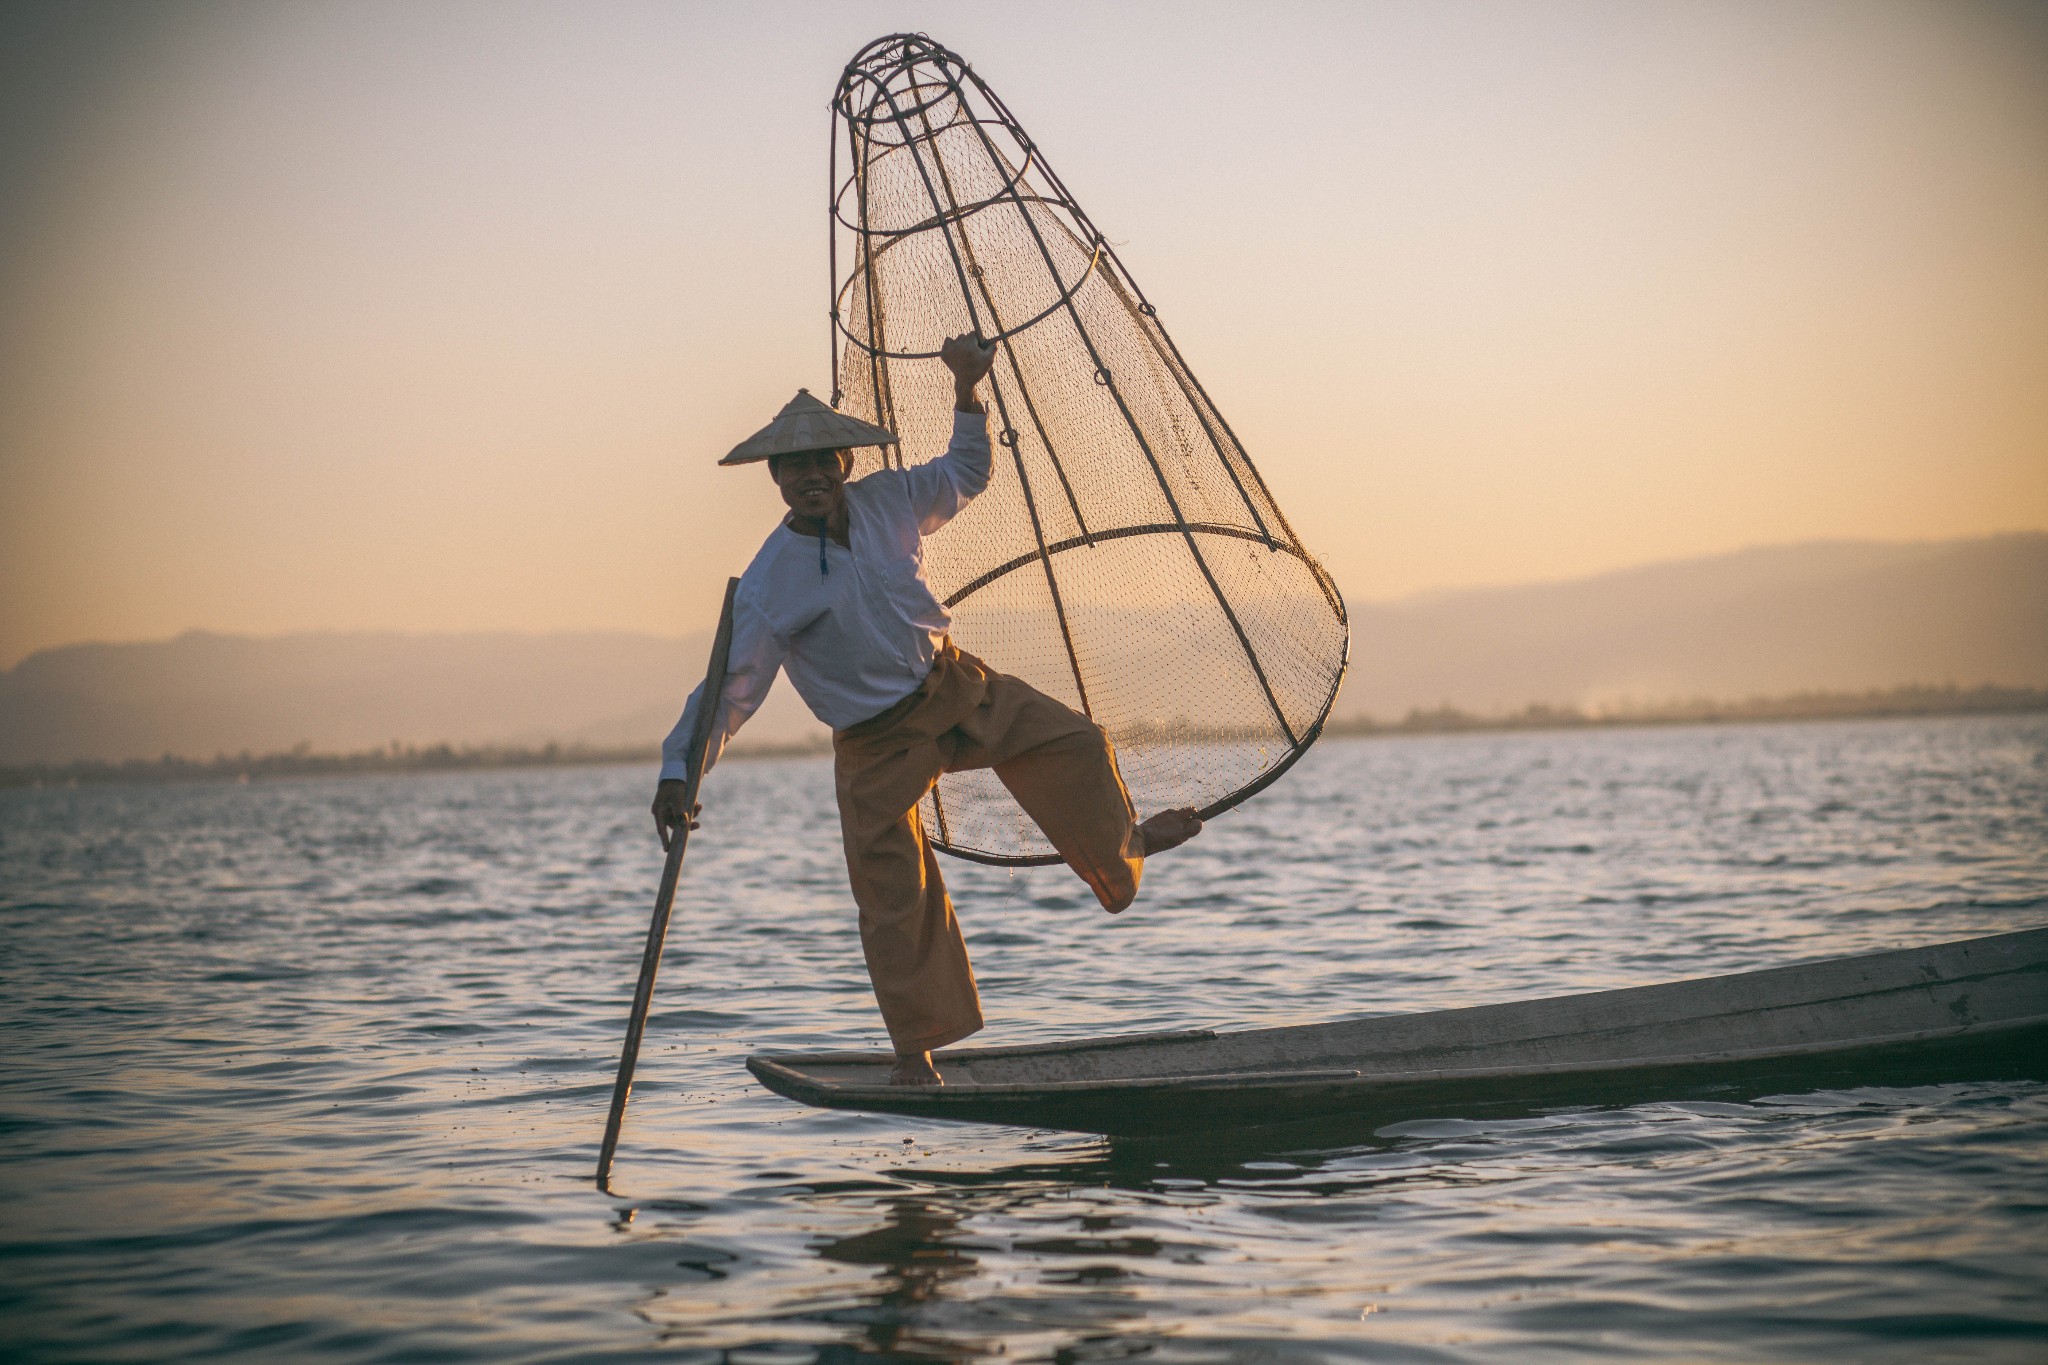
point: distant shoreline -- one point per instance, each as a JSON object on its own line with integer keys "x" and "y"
{"x": 1877, "y": 704}
{"x": 1896, "y": 702}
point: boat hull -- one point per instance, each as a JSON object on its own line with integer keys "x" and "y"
{"x": 1971, "y": 1010}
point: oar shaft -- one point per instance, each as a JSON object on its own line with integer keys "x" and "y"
{"x": 643, "y": 1001}
{"x": 708, "y": 703}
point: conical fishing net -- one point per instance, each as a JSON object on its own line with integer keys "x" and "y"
{"x": 1126, "y": 558}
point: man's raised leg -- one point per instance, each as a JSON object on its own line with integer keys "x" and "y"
{"x": 1061, "y": 768}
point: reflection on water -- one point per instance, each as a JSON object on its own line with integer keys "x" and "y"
{"x": 916, "y": 1253}
{"x": 316, "y": 1070}
{"x": 1866, "y": 1223}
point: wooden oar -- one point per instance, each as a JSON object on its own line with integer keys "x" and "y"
{"x": 709, "y": 701}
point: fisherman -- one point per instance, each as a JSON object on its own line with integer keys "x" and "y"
{"x": 837, "y": 597}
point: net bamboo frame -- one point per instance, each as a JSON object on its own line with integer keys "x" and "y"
{"x": 1126, "y": 558}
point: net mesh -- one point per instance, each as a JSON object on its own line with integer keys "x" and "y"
{"x": 1126, "y": 558}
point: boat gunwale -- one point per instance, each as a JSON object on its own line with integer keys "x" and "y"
{"x": 1114, "y": 1040}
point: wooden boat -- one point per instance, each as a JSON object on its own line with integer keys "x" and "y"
{"x": 1953, "y": 1011}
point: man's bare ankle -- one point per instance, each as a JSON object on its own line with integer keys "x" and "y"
{"x": 914, "y": 1068}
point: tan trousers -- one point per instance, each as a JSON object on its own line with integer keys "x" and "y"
{"x": 1054, "y": 760}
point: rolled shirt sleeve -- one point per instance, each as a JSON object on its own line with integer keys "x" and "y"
{"x": 939, "y": 488}
{"x": 750, "y": 670}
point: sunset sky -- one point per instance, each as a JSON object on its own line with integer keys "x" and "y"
{"x": 437, "y": 315}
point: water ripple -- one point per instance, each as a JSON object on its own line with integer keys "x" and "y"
{"x": 316, "y": 1069}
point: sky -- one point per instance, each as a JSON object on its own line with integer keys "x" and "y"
{"x": 436, "y": 316}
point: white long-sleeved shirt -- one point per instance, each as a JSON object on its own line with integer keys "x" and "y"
{"x": 859, "y": 635}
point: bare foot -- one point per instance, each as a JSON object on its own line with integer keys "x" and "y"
{"x": 1170, "y": 829}
{"x": 914, "y": 1068}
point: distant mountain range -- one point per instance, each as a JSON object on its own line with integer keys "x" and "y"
{"x": 1840, "y": 616}
{"x": 1826, "y": 616}
{"x": 203, "y": 694}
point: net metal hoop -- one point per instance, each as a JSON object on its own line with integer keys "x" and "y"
{"x": 846, "y": 187}
{"x": 1199, "y": 528}
{"x": 1107, "y": 445}
{"x": 1066, "y": 296}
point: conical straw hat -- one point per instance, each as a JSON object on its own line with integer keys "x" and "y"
{"x": 806, "y": 424}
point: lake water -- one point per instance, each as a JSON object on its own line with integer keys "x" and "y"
{"x": 316, "y": 1071}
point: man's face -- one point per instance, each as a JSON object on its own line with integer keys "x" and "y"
{"x": 813, "y": 482}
